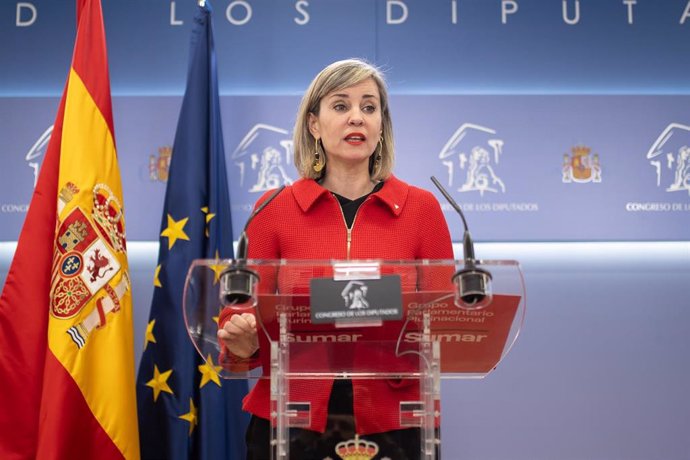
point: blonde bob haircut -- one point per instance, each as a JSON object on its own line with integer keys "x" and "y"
{"x": 337, "y": 76}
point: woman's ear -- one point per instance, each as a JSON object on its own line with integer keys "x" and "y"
{"x": 313, "y": 123}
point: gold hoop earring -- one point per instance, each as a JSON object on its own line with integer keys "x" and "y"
{"x": 375, "y": 166}
{"x": 319, "y": 158}
{"x": 379, "y": 150}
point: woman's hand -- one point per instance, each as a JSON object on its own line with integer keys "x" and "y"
{"x": 239, "y": 335}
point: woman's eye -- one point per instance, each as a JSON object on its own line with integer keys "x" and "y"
{"x": 369, "y": 109}
{"x": 340, "y": 107}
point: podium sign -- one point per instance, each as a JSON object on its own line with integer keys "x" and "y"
{"x": 355, "y": 300}
{"x": 358, "y": 320}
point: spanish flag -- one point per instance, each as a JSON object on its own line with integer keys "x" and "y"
{"x": 66, "y": 348}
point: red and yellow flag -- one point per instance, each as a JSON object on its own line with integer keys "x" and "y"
{"x": 66, "y": 346}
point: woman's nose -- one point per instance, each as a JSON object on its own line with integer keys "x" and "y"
{"x": 355, "y": 117}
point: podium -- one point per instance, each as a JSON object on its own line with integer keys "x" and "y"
{"x": 364, "y": 321}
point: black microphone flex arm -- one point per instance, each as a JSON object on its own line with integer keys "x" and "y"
{"x": 473, "y": 283}
{"x": 237, "y": 281}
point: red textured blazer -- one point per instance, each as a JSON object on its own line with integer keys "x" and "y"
{"x": 305, "y": 221}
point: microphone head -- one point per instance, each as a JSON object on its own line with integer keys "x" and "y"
{"x": 238, "y": 285}
{"x": 473, "y": 290}
{"x": 237, "y": 282}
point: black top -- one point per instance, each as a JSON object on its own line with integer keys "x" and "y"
{"x": 350, "y": 207}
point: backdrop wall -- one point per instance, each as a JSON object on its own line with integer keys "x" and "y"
{"x": 561, "y": 127}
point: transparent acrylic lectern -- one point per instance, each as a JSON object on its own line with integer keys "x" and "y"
{"x": 318, "y": 321}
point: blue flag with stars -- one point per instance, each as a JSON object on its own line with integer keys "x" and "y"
{"x": 185, "y": 410}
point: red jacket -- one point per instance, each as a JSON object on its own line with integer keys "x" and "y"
{"x": 305, "y": 222}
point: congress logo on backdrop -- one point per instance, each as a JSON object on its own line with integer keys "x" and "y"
{"x": 670, "y": 158}
{"x": 471, "y": 157}
{"x": 581, "y": 166}
{"x": 33, "y": 158}
{"x": 37, "y": 151}
{"x": 263, "y": 158}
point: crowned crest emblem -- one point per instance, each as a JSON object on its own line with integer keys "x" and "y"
{"x": 108, "y": 216}
{"x": 85, "y": 263}
{"x": 581, "y": 166}
{"x": 85, "y": 267}
{"x": 356, "y": 449}
{"x": 159, "y": 165}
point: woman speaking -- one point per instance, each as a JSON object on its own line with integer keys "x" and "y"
{"x": 346, "y": 205}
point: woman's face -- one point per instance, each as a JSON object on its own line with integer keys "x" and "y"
{"x": 349, "y": 123}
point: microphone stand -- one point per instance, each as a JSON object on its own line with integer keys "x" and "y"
{"x": 238, "y": 282}
{"x": 472, "y": 284}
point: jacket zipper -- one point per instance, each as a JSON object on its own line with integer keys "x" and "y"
{"x": 349, "y": 229}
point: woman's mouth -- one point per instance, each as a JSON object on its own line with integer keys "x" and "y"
{"x": 355, "y": 138}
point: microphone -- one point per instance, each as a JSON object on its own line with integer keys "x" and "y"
{"x": 472, "y": 284}
{"x": 238, "y": 282}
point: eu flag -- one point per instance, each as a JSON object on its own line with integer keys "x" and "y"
{"x": 185, "y": 409}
